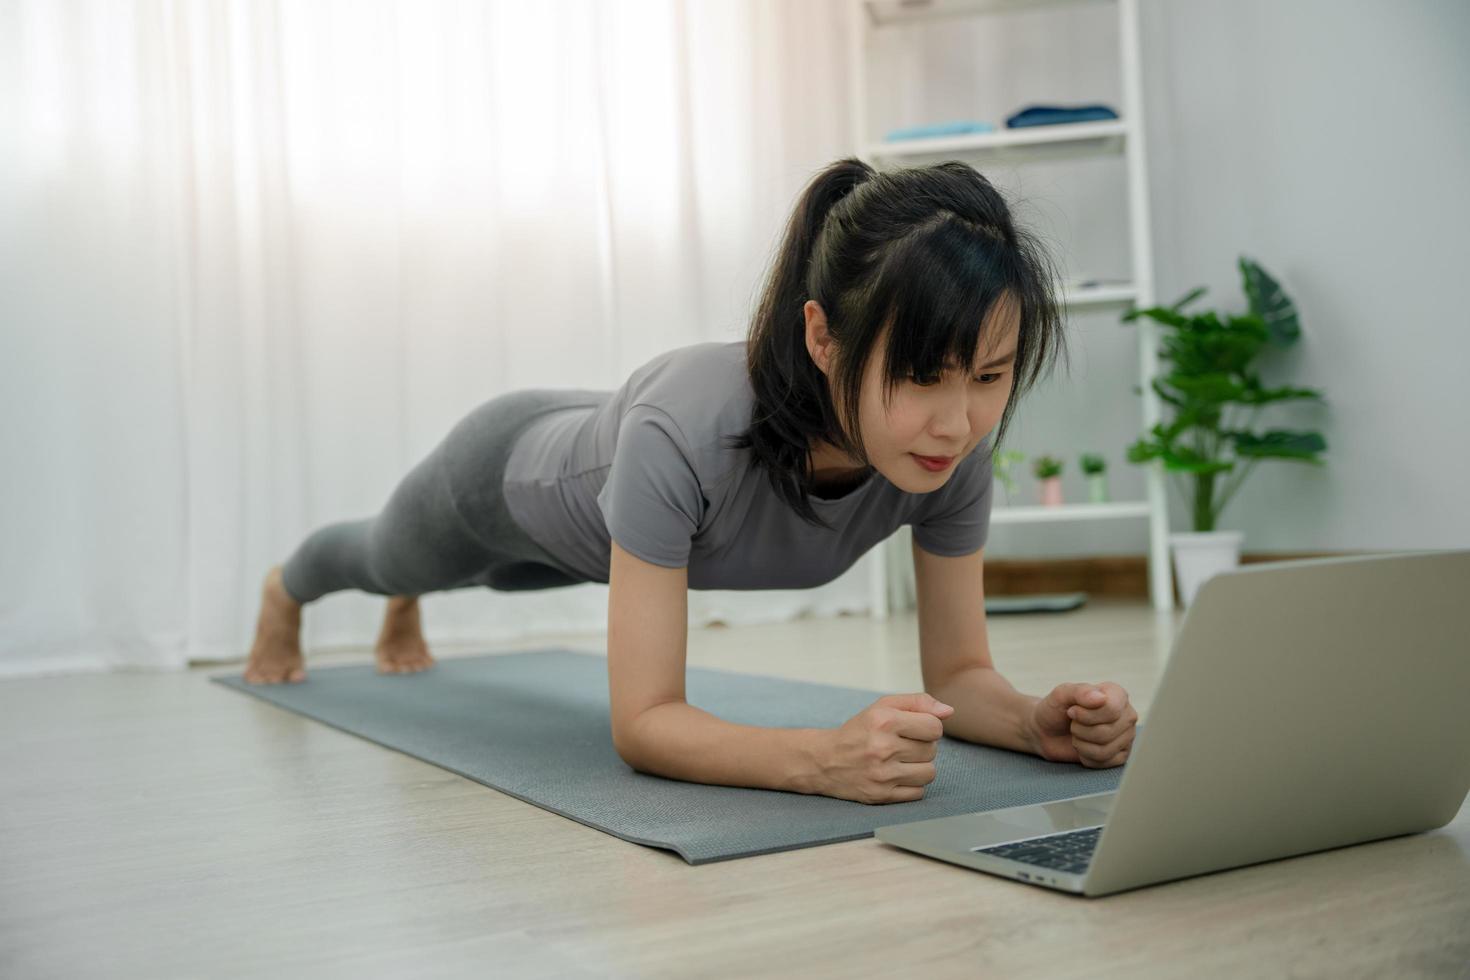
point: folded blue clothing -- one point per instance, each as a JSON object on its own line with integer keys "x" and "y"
{"x": 1051, "y": 115}
{"x": 940, "y": 129}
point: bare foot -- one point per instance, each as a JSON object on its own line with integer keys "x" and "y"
{"x": 401, "y": 647}
{"x": 276, "y": 656}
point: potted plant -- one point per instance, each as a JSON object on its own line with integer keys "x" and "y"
{"x": 1096, "y": 469}
{"x": 1049, "y": 471}
{"x": 1215, "y": 395}
{"x": 1001, "y": 464}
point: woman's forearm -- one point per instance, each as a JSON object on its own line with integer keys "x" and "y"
{"x": 988, "y": 710}
{"x": 680, "y": 741}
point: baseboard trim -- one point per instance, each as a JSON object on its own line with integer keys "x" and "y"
{"x": 1100, "y": 575}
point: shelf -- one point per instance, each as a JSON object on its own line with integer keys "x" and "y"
{"x": 885, "y": 13}
{"x": 1102, "y": 137}
{"x": 1003, "y": 150}
{"x": 1069, "y": 512}
{"x": 1074, "y": 296}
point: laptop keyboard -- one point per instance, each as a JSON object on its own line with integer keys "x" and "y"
{"x": 1070, "y": 851}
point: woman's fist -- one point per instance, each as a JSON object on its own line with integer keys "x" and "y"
{"x": 885, "y": 753}
{"x": 1091, "y": 724}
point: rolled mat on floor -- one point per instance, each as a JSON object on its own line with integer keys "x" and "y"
{"x": 536, "y": 725}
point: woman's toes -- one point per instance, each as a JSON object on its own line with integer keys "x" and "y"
{"x": 275, "y": 673}
{"x": 403, "y": 657}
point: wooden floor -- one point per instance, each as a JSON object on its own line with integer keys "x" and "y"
{"x": 157, "y": 825}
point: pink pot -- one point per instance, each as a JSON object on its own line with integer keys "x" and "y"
{"x": 1051, "y": 492}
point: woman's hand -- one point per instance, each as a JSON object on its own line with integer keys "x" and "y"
{"x": 884, "y": 753}
{"x": 1091, "y": 724}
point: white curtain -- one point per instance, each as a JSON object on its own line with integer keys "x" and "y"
{"x": 258, "y": 257}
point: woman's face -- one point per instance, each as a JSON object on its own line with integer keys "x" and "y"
{"x": 942, "y": 418}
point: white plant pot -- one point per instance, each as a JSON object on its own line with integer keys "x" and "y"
{"x": 1201, "y": 554}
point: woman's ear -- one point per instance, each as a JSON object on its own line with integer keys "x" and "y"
{"x": 818, "y": 340}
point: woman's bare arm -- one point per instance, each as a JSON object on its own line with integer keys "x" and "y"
{"x": 654, "y": 728}
{"x": 954, "y": 654}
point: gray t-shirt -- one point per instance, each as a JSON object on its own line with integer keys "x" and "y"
{"x": 652, "y": 469}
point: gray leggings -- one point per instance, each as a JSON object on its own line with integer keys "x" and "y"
{"x": 446, "y": 525}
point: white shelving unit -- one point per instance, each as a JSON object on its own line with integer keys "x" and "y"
{"x": 1123, "y": 136}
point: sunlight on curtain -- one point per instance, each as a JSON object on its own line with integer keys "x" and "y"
{"x": 261, "y": 256}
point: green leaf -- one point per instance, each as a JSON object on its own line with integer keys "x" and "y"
{"x": 1182, "y": 459}
{"x": 1279, "y": 444}
{"x": 1144, "y": 450}
{"x": 1257, "y": 395}
{"x": 1213, "y": 389}
{"x": 1195, "y": 416}
{"x": 1168, "y": 314}
{"x": 1270, "y": 302}
{"x": 1212, "y": 348}
{"x": 1158, "y": 386}
{"x": 1189, "y": 297}
{"x": 1160, "y": 313}
{"x": 1249, "y": 325}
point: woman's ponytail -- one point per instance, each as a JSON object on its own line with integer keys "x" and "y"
{"x": 781, "y": 369}
{"x": 786, "y": 290}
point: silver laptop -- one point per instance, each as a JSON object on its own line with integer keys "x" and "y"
{"x": 1305, "y": 705}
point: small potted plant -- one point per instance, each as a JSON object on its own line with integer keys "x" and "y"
{"x": 1096, "y": 469}
{"x": 1001, "y": 464}
{"x": 1049, "y": 471}
{"x": 1215, "y": 395}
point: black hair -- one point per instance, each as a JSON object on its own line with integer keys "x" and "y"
{"x": 926, "y": 251}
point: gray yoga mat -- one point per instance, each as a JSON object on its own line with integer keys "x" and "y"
{"x": 535, "y": 725}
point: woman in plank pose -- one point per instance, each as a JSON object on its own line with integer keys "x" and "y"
{"x": 904, "y": 315}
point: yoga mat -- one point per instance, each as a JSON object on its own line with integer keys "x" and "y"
{"x": 536, "y": 725}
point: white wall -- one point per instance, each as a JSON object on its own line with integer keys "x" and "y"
{"x": 1330, "y": 142}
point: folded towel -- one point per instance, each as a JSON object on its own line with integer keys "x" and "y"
{"x": 940, "y": 129}
{"x": 1051, "y": 115}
